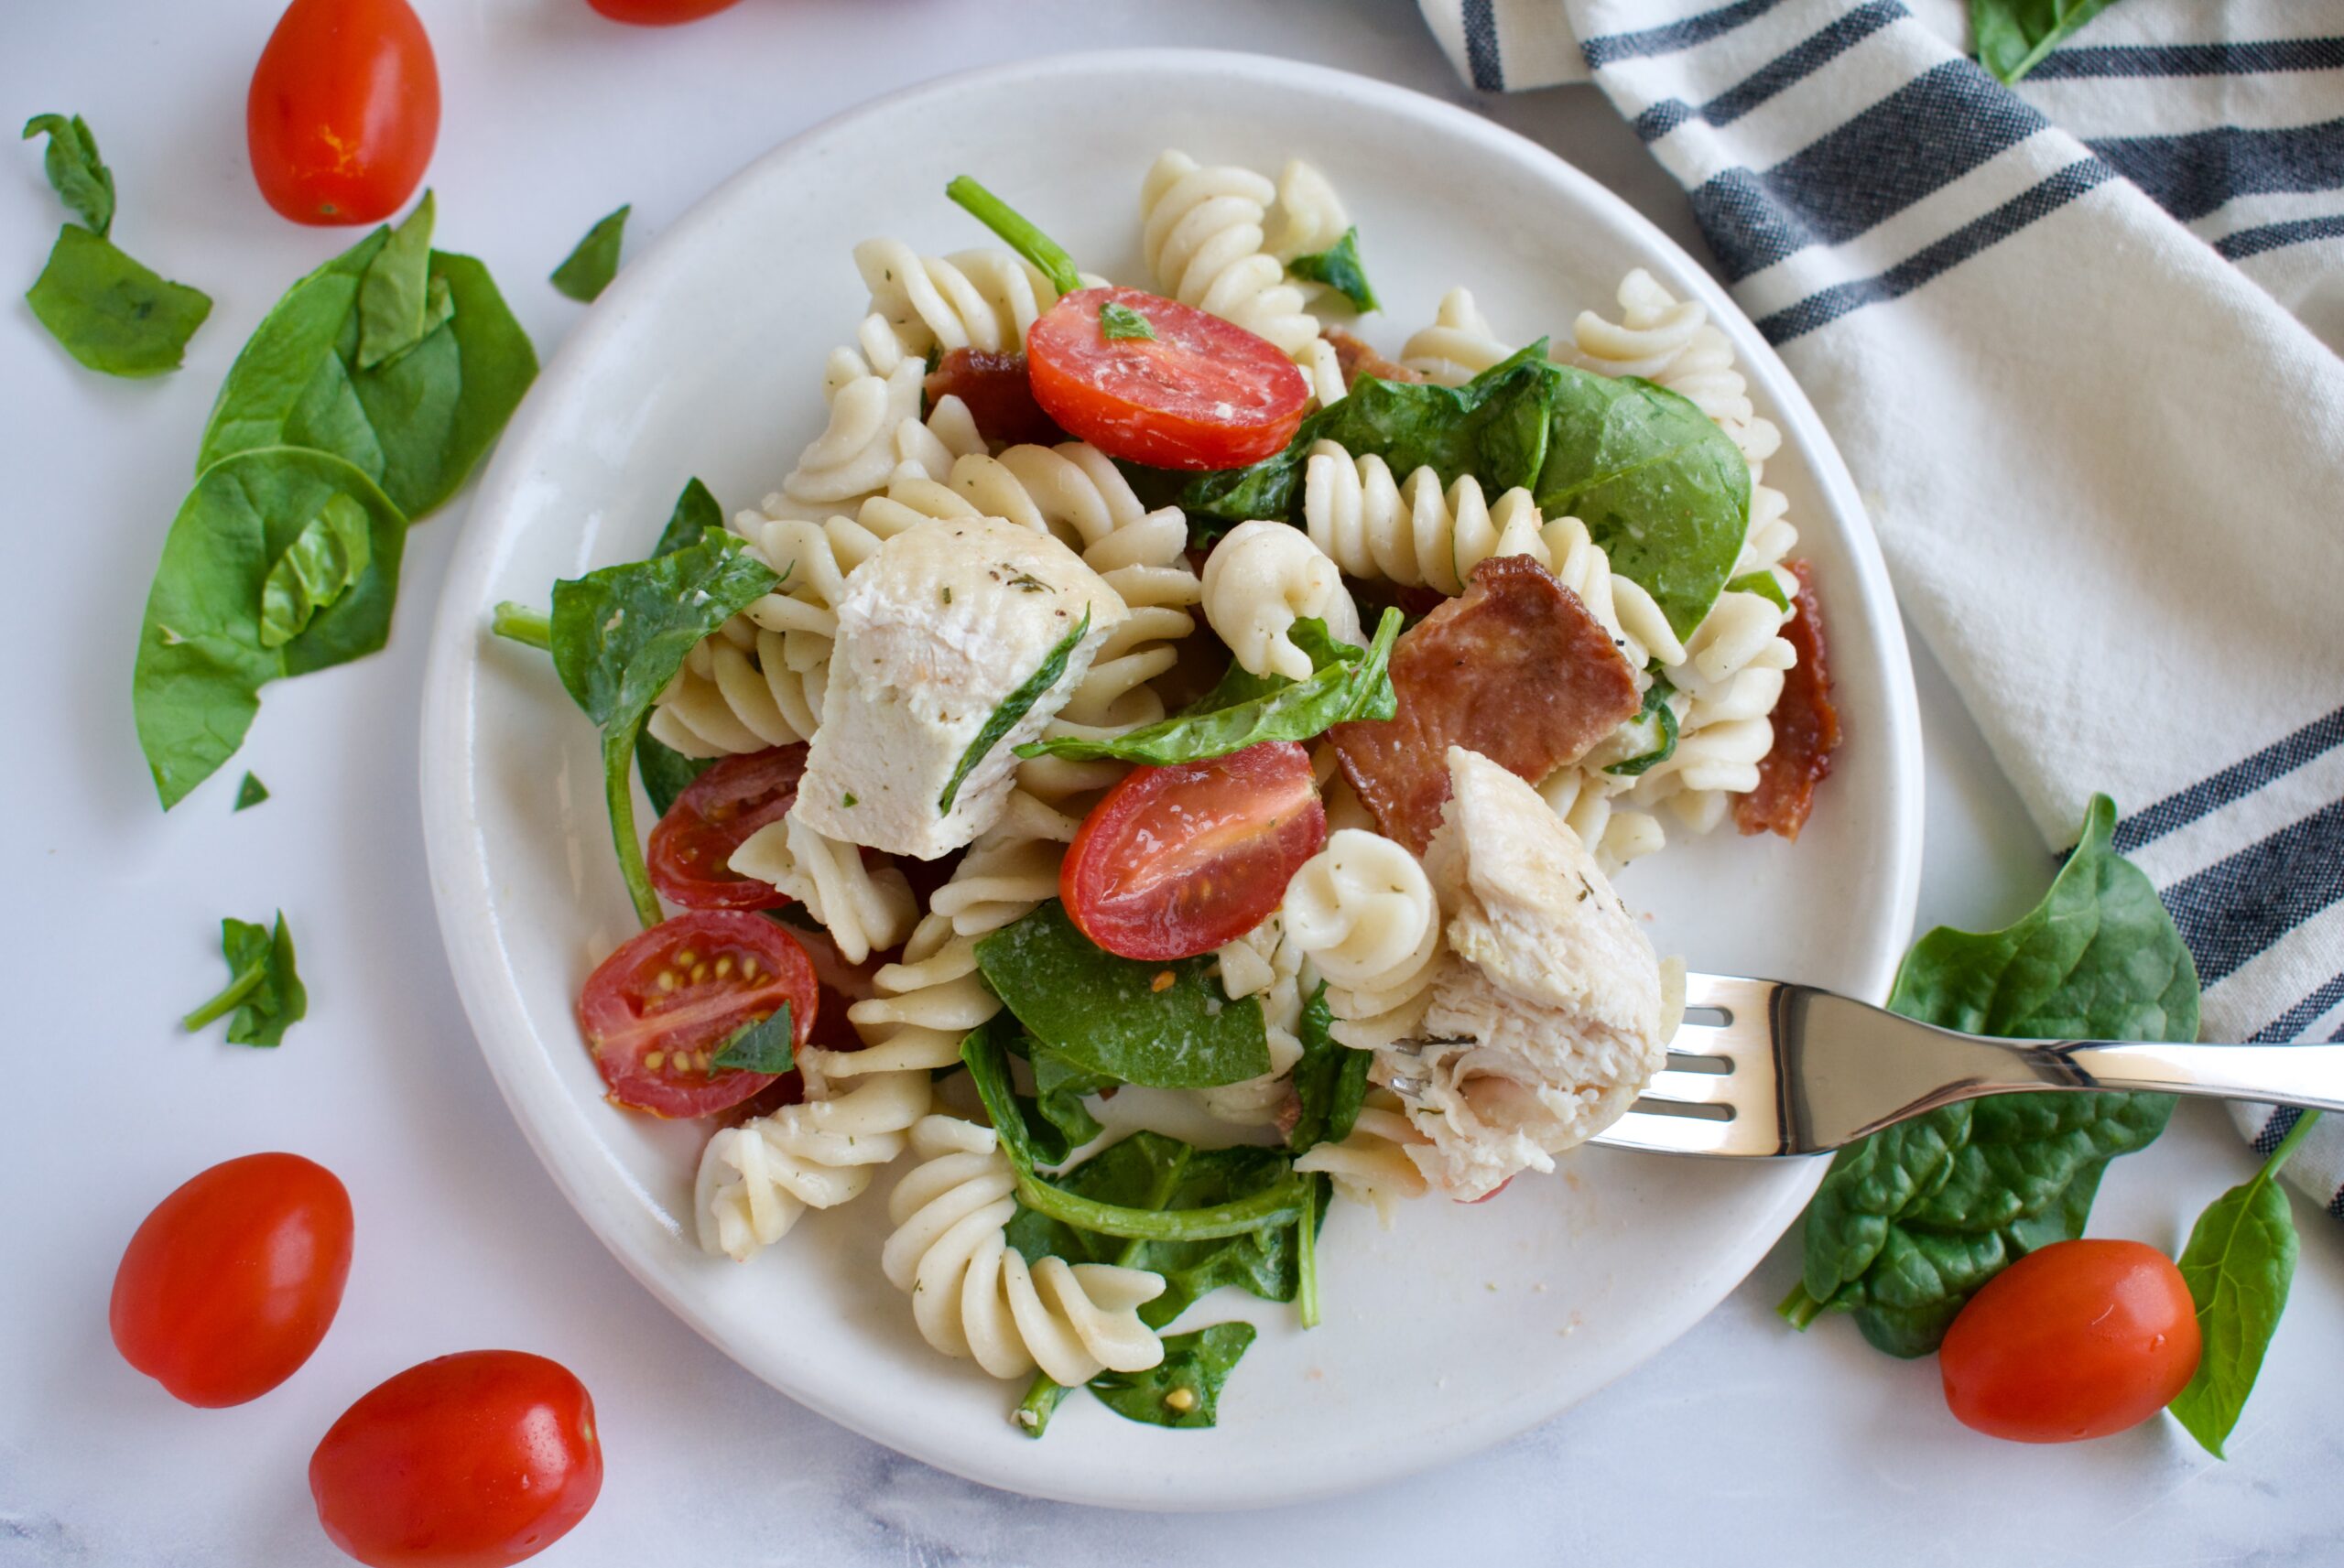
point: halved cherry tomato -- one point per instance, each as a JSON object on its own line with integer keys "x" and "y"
{"x": 231, "y": 1283}
{"x": 343, "y": 111}
{"x": 2079, "y": 1340}
{"x": 656, "y": 1011}
{"x": 478, "y": 1460}
{"x": 1202, "y": 394}
{"x": 692, "y": 845}
{"x": 659, "y": 12}
{"x": 1176, "y": 862}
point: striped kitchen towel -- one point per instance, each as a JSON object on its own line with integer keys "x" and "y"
{"x": 2078, "y": 344}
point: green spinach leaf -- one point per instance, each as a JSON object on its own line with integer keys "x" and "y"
{"x": 264, "y": 993}
{"x": 2240, "y": 1263}
{"x": 1338, "y": 267}
{"x": 324, "y": 561}
{"x": 666, "y": 773}
{"x": 203, "y": 654}
{"x": 1184, "y": 1389}
{"x": 1119, "y": 323}
{"x": 1245, "y": 709}
{"x": 1656, "y": 729}
{"x": 1013, "y": 709}
{"x": 759, "y": 1047}
{"x": 1495, "y": 427}
{"x": 1763, "y": 583}
{"x": 590, "y": 266}
{"x": 1330, "y": 1081}
{"x": 1056, "y": 1121}
{"x": 1910, "y": 1222}
{"x": 250, "y": 792}
{"x": 620, "y": 634}
{"x": 1116, "y": 1017}
{"x": 2013, "y": 36}
{"x": 696, "y": 512}
{"x": 76, "y": 172}
{"x": 394, "y": 304}
{"x": 1660, "y": 487}
{"x": 110, "y": 312}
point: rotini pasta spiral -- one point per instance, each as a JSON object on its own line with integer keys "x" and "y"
{"x": 1414, "y": 532}
{"x": 1371, "y": 1165}
{"x": 856, "y": 451}
{"x": 1364, "y": 914}
{"x": 1265, "y": 965}
{"x": 1309, "y": 217}
{"x": 1671, "y": 343}
{"x": 1583, "y": 797}
{"x": 1458, "y": 345}
{"x": 973, "y": 1295}
{"x": 865, "y": 908}
{"x": 1729, "y": 682}
{"x": 1201, "y": 230}
{"x": 1259, "y": 581}
{"x": 756, "y": 1179}
{"x": 970, "y": 299}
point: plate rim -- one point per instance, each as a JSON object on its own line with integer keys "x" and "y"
{"x": 465, "y": 897}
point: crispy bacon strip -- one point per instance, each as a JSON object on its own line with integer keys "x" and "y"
{"x": 1357, "y": 360}
{"x": 999, "y": 396}
{"x": 1807, "y": 728}
{"x": 1517, "y": 668}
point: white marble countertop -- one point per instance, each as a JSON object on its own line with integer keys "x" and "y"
{"x": 1743, "y": 1443}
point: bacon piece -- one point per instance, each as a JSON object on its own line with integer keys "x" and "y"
{"x": 1807, "y": 728}
{"x": 1515, "y": 668}
{"x": 999, "y": 396}
{"x": 1357, "y": 360}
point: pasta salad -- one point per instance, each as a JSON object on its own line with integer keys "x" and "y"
{"x": 1154, "y": 685}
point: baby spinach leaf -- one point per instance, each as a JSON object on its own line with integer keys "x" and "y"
{"x": 666, "y": 773}
{"x": 1657, "y": 729}
{"x": 76, "y": 172}
{"x": 324, "y": 561}
{"x": 1912, "y": 1221}
{"x": 1110, "y": 1016}
{"x": 1763, "y": 583}
{"x": 1120, "y": 323}
{"x": 263, "y": 991}
{"x": 1494, "y": 428}
{"x": 1338, "y": 267}
{"x": 594, "y": 261}
{"x": 1245, "y": 709}
{"x": 393, "y": 306}
{"x": 620, "y": 634}
{"x": 1013, "y": 709}
{"x": 1184, "y": 1389}
{"x": 1660, "y": 487}
{"x": 696, "y": 513}
{"x": 760, "y": 1046}
{"x": 2240, "y": 1263}
{"x": 1330, "y": 1081}
{"x": 250, "y": 792}
{"x": 203, "y": 655}
{"x": 111, "y": 313}
{"x": 1056, "y": 1119}
{"x": 417, "y": 422}
{"x": 2013, "y": 36}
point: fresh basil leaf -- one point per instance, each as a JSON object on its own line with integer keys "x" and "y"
{"x": 761, "y": 1046}
{"x": 1118, "y": 322}
{"x": 1330, "y": 1081}
{"x": 250, "y": 792}
{"x": 324, "y": 561}
{"x": 696, "y": 513}
{"x": 1660, "y": 487}
{"x": 666, "y": 773}
{"x": 1346, "y": 683}
{"x": 619, "y": 637}
{"x": 2240, "y": 1264}
{"x": 111, "y": 313}
{"x": 1013, "y": 709}
{"x": 418, "y": 422}
{"x": 394, "y": 290}
{"x": 1763, "y": 583}
{"x": 1912, "y": 1221}
{"x": 1495, "y": 427}
{"x": 202, "y": 656}
{"x": 76, "y": 172}
{"x": 263, "y": 994}
{"x": 2013, "y": 36}
{"x": 1338, "y": 267}
{"x": 1116, "y": 1016}
{"x": 594, "y": 261}
{"x": 1657, "y": 729}
{"x": 1184, "y": 1389}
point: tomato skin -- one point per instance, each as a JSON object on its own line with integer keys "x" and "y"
{"x": 647, "y": 1038}
{"x": 231, "y": 1283}
{"x": 476, "y": 1460}
{"x": 659, "y": 12}
{"x": 343, "y": 111}
{"x": 691, "y": 845}
{"x": 2079, "y": 1340}
{"x": 1202, "y": 394}
{"x": 1176, "y": 862}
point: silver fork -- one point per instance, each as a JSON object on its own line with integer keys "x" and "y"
{"x": 1764, "y": 1067}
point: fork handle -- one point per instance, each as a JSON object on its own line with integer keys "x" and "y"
{"x": 2291, "y": 1074}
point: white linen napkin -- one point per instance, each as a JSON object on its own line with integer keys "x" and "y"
{"x": 2078, "y": 343}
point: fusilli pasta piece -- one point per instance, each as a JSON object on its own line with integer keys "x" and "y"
{"x": 856, "y": 451}
{"x": 1202, "y": 232}
{"x": 1371, "y": 1165}
{"x": 1266, "y": 965}
{"x": 1414, "y": 532}
{"x": 1259, "y": 581}
{"x": 1671, "y": 343}
{"x": 1309, "y": 217}
{"x": 1364, "y": 914}
{"x": 1458, "y": 346}
{"x": 1583, "y": 797}
{"x": 970, "y": 299}
{"x": 864, "y": 908}
{"x": 975, "y": 1297}
{"x": 756, "y": 1179}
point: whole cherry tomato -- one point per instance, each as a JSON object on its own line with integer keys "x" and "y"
{"x": 231, "y": 1283}
{"x": 2079, "y": 1340}
{"x": 472, "y": 1461}
{"x": 343, "y": 111}
{"x": 659, "y": 12}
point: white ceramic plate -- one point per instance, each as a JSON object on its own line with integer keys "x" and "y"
{"x": 1461, "y": 1326}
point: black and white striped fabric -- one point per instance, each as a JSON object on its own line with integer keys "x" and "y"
{"x": 2078, "y": 344}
